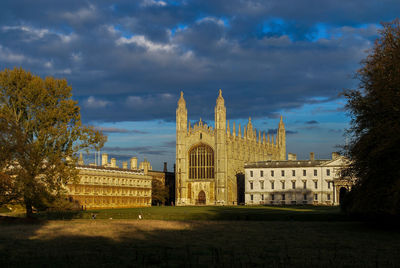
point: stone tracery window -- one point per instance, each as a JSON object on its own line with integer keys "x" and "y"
{"x": 201, "y": 162}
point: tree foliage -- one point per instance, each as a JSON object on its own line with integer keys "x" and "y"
{"x": 375, "y": 128}
{"x": 159, "y": 192}
{"x": 40, "y": 133}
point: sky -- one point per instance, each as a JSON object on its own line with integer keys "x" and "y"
{"x": 127, "y": 62}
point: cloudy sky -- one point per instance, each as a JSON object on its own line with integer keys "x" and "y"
{"x": 127, "y": 61}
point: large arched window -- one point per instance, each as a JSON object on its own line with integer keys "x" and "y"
{"x": 201, "y": 162}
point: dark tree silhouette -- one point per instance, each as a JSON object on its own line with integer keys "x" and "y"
{"x": 375, "y": 129}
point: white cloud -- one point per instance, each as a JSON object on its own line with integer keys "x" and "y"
{"x": 147, "y": 3}
{"x": 77, "y": 57}
{"x": 31, "y": 33}
{"x": 92, "y": 102}
{"x": 142, "y": 41}
{"x": 48, "y": 64}
{"x": 211, "y": 19}
{"x": 6, "y": 55}
{"x": 134, "y": 100}
{"x": 82, "y": 15}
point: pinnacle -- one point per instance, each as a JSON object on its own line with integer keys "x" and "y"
{"x": 181, "y": 101}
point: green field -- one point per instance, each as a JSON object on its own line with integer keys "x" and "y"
{"x": 199, "y": 237}
{"x": 240, "y": 213}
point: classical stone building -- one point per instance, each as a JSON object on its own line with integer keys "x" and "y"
{"x": 210, "y": 161}
{"x": 108, "y": 186}
{"x": 296, "y": 181}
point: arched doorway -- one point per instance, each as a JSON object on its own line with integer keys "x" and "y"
{"x": 342, "y": 194}
{"x": 201, "y": 198}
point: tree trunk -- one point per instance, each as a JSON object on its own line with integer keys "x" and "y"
{"x": 29, "y": 210}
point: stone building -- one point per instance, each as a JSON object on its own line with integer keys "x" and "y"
{"x": 210, "y": 161}
{"x": 296, "y": 181}
{"x": 108, "y": 186}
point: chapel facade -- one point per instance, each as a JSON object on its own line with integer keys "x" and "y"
{"x": 210, "y": 161}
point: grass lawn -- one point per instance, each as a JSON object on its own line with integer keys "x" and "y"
{"x": 204, "y": 236}
{"x": 247, "y": 213}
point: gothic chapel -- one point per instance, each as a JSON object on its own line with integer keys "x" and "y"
{"x": 210, "y": 161}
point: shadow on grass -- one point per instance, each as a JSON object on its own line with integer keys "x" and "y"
{"x": 197, "y": 243}
{"x": 212, "y": 213}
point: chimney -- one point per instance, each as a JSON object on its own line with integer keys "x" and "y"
{"x": 125, "y": 165}
{"x": 104, "y": 159}
{"x": 292, "y": 157}
{"x": 335, "y": 155}
{"x": 113, "y": 162}
{"x": 134, "y": 163}
{"x": 165, "y": 167}
{"x": 312, "y": 157}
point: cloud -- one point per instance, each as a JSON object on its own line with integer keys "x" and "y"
{"x": 94, "y": 103}
{"x": 291, "y": 132}
{"x": 147, "y": 3}
{"x": 273, "y": 131}
{"x": 120, "y": 130}
{"x": 312, "y": 122}
{"x": 143, "y": 150}
{"x": 131, "y": 59}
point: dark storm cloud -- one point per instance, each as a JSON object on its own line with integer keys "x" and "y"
{"x": 312, "y": 122}
{"x": 143, "y": 150}
{"x": 273, "y": 131}
{"x": 128, "y": 61}
{"x": 120, "y": 130}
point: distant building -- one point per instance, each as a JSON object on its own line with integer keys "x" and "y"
{"x": 210, "y": 161}
{"x": 295, "y": 181}
{"x": 108, "y": 186}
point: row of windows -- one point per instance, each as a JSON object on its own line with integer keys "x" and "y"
{"x": 283, "y": 184}
{"x": 328, "y": 173}
{"x": 283, "y": 197}
{"x": 88, "y": 179}
{"x": 108, "y": 190}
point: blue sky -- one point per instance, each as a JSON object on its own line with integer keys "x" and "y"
{"x": 127, "y": 61}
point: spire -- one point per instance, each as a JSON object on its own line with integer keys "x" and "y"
{"x": 264, "y": 140}
{"x": 244, "y": 133}
{"x": 233, "y": 130}
{"x": 268, "y": 138}
{"x": 228, "y": 129}
{"x": 259, "y": 136}
{"x": 181, "y": 114}
{"x": 281, "y": 125}
{"x": 240, "y": 131}
{"x": 220, "y": 99}
{"x": 220, "y": 113}
{"x": 250, "y": 129}
{"x": 181, "y": 101}
{"x": 80, "y": 161}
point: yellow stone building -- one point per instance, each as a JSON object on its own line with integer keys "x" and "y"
{"x": 108, "y": 186}
{"x": 210, "y": 161}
